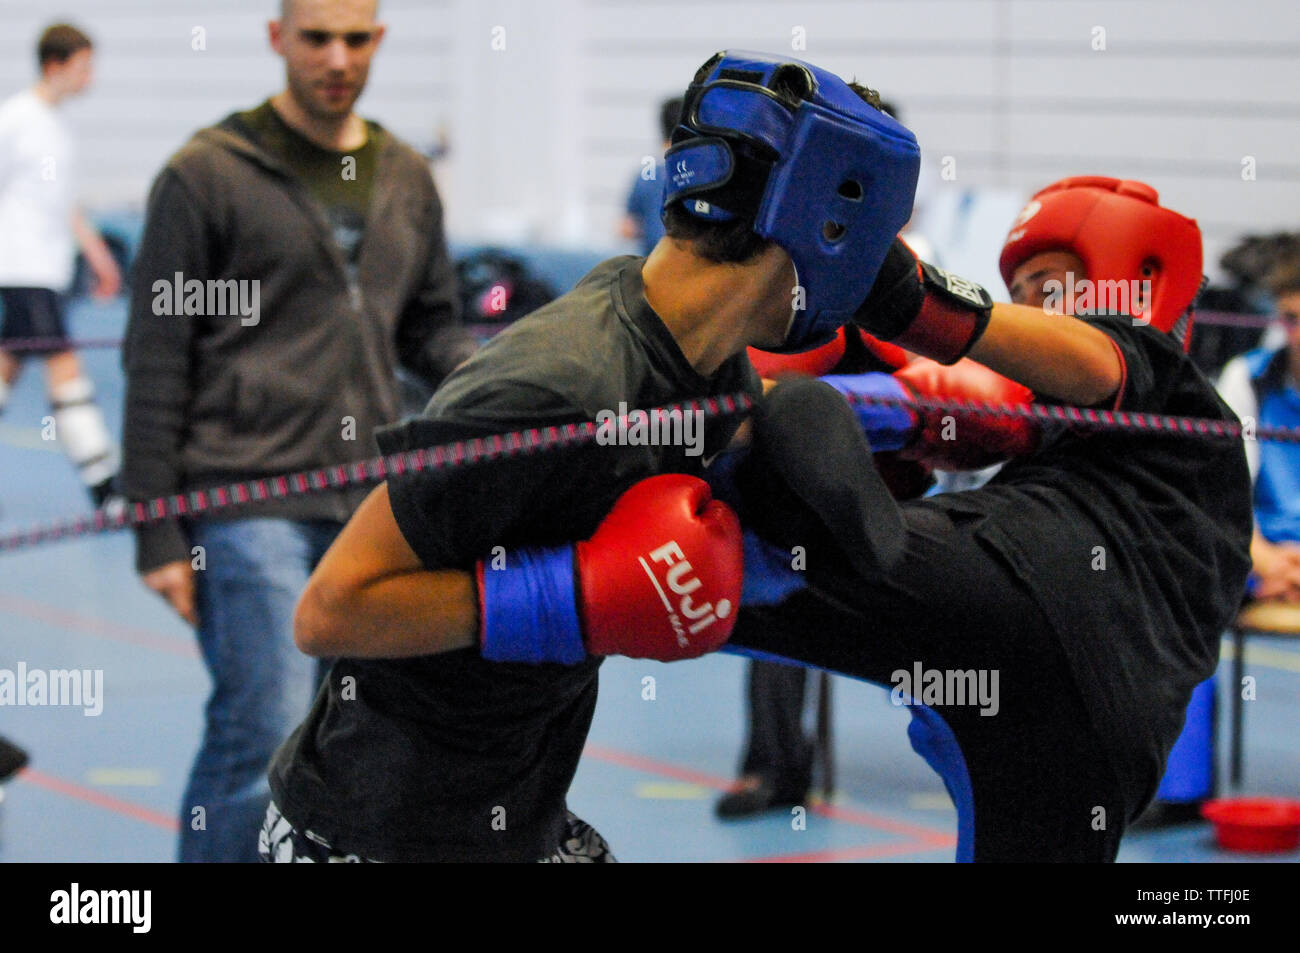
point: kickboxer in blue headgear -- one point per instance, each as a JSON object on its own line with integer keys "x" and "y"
{"x": 468, "y": 755}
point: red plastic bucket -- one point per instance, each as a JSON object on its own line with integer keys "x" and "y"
{"x": 1267, "y": 825}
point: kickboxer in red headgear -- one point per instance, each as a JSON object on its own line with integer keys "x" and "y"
{"x": 1047, "y": 629}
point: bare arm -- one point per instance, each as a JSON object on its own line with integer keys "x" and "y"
{"x": 371, "y": 597}
{"x": 1053, "y": 355}
{"x": 1278, "y": 567}
{"x": 108, "y": 277}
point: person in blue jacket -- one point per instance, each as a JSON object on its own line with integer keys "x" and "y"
{"x": 1263, "y": 386}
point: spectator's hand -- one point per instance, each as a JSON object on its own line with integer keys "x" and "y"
{"x": 175, "y": 583}
{"x": 1278, "y": 567}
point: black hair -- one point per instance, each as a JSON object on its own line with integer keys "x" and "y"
{"x": 669, "y": 112}
{"x": 1284, "y": 277}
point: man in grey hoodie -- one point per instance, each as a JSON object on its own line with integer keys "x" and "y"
{"x": 293, "y": 255}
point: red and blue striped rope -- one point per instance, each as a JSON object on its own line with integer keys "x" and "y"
{"x": 542, "y": 439}
{"x": 360, "y": 472}
{"x": 26, "y": 345}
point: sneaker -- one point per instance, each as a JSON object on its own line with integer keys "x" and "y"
{"x": 754, "y": 795}
{"x": 12, "y": 759}
{"x": 107, "y": 497}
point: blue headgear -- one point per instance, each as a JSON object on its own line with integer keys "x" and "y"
{"x": 826, "y": 176}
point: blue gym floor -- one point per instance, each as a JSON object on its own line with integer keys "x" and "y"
{"x": 107, "y": 788}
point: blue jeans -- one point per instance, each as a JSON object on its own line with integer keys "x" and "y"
{"x": 262, "y": 686}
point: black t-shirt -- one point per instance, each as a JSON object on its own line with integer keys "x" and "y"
{"x": 1136, "y": 545}
{"x": 341, "y": 182}
{"x": 449, "y": 757}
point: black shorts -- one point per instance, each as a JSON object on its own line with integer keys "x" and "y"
{"x": 33, "y": 313}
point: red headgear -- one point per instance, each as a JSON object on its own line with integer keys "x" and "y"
{"x": 1122, "y": 233}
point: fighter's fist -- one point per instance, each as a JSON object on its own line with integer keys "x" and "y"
{"x": 923, "y": 308}
{"x": 661, "y": 578}
{"x": 888, "y": 425}
{"x": 955, "y": 440}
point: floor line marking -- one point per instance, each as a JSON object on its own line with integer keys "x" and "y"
{"x": 92, "y": 625}
{"x": 834, "y": 812}
{"x": 850, "y": 815}
{"x": 27, "y": 438}
{"x": 1265, "y": 656}
{"x": 116, "y": 805}
{"x": 871, "y": 852}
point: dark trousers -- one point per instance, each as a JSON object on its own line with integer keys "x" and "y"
{"x": 1040, "y": 776}
{"x": 936, "y": 599}
{"x": 779, "y": 749}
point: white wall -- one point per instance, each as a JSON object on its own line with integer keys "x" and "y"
{"x": 548, "y": 131}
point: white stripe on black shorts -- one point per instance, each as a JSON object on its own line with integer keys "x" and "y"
{"x": 280, "y": 843}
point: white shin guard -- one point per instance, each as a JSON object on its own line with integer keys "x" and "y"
{"x": 79, "y": 425}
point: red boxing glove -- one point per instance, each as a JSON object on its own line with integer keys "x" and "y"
{"x": 890, "y": 354}
{"x": 814, "y": 363}
{"x": 823, "y": 360}
{"x": 660, "y": 579}
{"x": 662, "y": 576}
{"x": 952, "y": 440}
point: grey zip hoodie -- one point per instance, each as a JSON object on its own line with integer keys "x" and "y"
{"x": 301, "y": 379}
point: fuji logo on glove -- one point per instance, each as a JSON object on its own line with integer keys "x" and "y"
{"x": 681, "y": 581}
{"x": 570, "y": 602}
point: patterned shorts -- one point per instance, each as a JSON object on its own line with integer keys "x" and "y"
{"x": 280, "y": 843}
{"x": 582, "y": 844}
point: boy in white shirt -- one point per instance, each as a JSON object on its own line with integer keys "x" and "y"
{"x": 41, "y": 228}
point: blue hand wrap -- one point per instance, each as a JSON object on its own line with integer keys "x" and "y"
{"x": 769, "y": 577}
{"x": 886, "y": 427}
{"x": 530, "y": 610}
